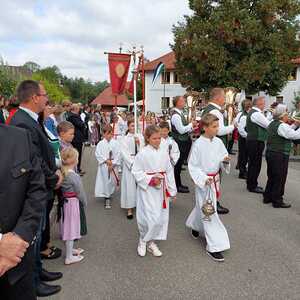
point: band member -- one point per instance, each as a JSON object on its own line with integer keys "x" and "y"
{"x": 204, "y": 167}
{"x": 279, "y": 145}
{"x": 180, "y": 132}
{"x": 241, "y": 120}
{"x": 256, "y": 125}
{"x": 216, "y": 102}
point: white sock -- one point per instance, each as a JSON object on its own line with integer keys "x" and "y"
{"x": 69, "y": 249}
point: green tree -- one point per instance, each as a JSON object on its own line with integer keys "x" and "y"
{"x": 7, "y": 83}
{"x": 245, "y": 44}
{"x": 32, "y": 66}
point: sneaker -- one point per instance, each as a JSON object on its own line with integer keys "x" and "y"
{"x": 77, "y": 251}
{"x": 141, "y": 250}
{"x": 195, "y": 234}
{"x": 107, "y": 203}
{"x": 73, "y": 260}
{"x": 216, "y": 256}
{"x": 152, "y": 248}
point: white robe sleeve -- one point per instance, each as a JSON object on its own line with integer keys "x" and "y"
{"x": 194, "y": 165}
{"x": 116, "y": 154}
{"x": 139, "y": 174}
{"x": 171, "y": 185}
{"x": 100, "y": 154}
{"x": 126, "y": 155}
{"x": 175, "y": 153}
{"x": 224, "y": 153}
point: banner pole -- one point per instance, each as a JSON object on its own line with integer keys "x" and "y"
{"x": 134, "y": 95}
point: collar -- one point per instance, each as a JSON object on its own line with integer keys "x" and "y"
{"x": 216, "y": 105}
{"x": 178, "y": 110}
{"x": 31, "y": 113}
{"x": 256, "y": 108}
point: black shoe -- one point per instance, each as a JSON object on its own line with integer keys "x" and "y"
{"x": 222, "y": 210}
{"x": 45, "y": 290}
{"x": 54, "y": 253}
{"x": 50, "y": 276}
{"x": 266, "y": 201}
{"x": 180, "y": 189}
{"x": 195, "y": 234}
{"x": 216, "y": 256}
{"x": 243, "y": 176}
{"x": 257, "y": 190}
{"x": 231, "y": 153}
{"x": 130, "y": 217}
{"x": 185, "y": 187}
{"x": 282, "y": 205}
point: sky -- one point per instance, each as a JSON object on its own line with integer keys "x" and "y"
{"x": 74, "y": 34}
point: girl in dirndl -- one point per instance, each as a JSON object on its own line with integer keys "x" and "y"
{"x": 73, "y": 193}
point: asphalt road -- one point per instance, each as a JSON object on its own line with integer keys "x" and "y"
{"x": 263, "y": 263}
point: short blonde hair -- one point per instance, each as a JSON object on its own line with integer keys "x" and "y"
{"x": 208, "y": 119}
{"x": 69, "y": 156}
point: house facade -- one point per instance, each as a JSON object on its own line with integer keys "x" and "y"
{"x": 158, "y": 98}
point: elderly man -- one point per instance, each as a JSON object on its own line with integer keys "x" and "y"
{"x": 22, "y": 202}
{"x": 279, "y": 145}
{"x": 256, "y": 125}
{"x": 33, "y": 99}
{"x": 181, "y": 129}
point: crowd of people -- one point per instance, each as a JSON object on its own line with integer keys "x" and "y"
{"x": 43, "y": 151}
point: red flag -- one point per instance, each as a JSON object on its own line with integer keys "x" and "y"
{"x": 118, "y": 70}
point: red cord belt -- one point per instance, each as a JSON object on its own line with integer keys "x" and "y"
{"x": 215, "y": 182}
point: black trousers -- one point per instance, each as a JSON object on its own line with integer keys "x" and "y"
{"x": 255, "y": 152}
{"x": 46, "y": 232}
{"x": 23, "y": 289}
{"x": 243, "y": 155}
{"x": 78, "y": 147}
{"x": 277, "y": 169}
{"x": 184, "y": 148}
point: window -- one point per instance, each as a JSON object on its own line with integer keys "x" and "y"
{"x": 165, "y": 102}
{"x": 176, "y": 77}
{"x": 165, "y": 77}
{"x": 279, "y": 99}
{"x": 293, "y": 75}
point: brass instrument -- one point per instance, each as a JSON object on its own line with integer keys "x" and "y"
{"x": 230, "y": 98}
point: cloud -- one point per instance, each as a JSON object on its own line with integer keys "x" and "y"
{"x": 74, "y": 34}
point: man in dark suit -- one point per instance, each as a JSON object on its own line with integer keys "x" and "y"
{"x": 22, "y": 201}
{"x": 79, "y": 137}
{"x": 33, "y": 99}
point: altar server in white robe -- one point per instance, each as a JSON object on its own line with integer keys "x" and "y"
{"x": 108, "y": 157}
{"x": 155, "y": 183}
{"x": 130, "y": 145}
{"x": 208, "y": 156}
{"x": 168, "y": 143}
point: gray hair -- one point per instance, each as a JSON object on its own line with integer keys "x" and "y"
{"x": 256, "y": 99}
{"x": 280, "y": 111}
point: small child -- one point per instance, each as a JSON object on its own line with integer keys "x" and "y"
{"x": 66, "y": 133}
{"x": 73, "y": 193}
{"x": 130, "y": 146}
{"x": 108, "y": 155}
{"x": 208, "y": 156}
{"x": 168, "y": 143}
{"x": 93, "y": 131}
{"x": 155, "y": 183}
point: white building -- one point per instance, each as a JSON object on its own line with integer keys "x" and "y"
{"x": 159, "y": 97}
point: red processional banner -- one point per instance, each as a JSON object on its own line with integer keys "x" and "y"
{"x": 118, "y": 69}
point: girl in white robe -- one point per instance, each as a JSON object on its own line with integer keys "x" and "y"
{"x": 155, "y": 182}
{"x": 208, "y": 156}
{"x": 108, "y": 155}
{"x": 130, "y": 146}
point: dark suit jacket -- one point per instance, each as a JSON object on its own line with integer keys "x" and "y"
{"x": 80, "y": 128}
{"x": 22, "y": 189}
{"x": 42, "y": 147}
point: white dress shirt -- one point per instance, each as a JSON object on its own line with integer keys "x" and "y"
{"x": 241, "y": 126}
{"x": 31, "y": 113}
{"x": 259, "y": 118}
{"x": 286, "y": 131}
{"x": 177, "y": 122}
{"x": 223, "y": 130}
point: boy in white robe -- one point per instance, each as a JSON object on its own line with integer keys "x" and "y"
{"x": 208, "y": 156}
{"x": 168, "y": 143}
{"x": 108, "y": 156}
{"x": 155, "y": 183}
{"x": 130, "y": 145}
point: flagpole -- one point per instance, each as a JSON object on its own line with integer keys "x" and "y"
{"x": 143, "y": 90}
{"x": 134, "y": 92}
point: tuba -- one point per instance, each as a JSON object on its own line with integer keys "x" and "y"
{"x": 230, "y": 99}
